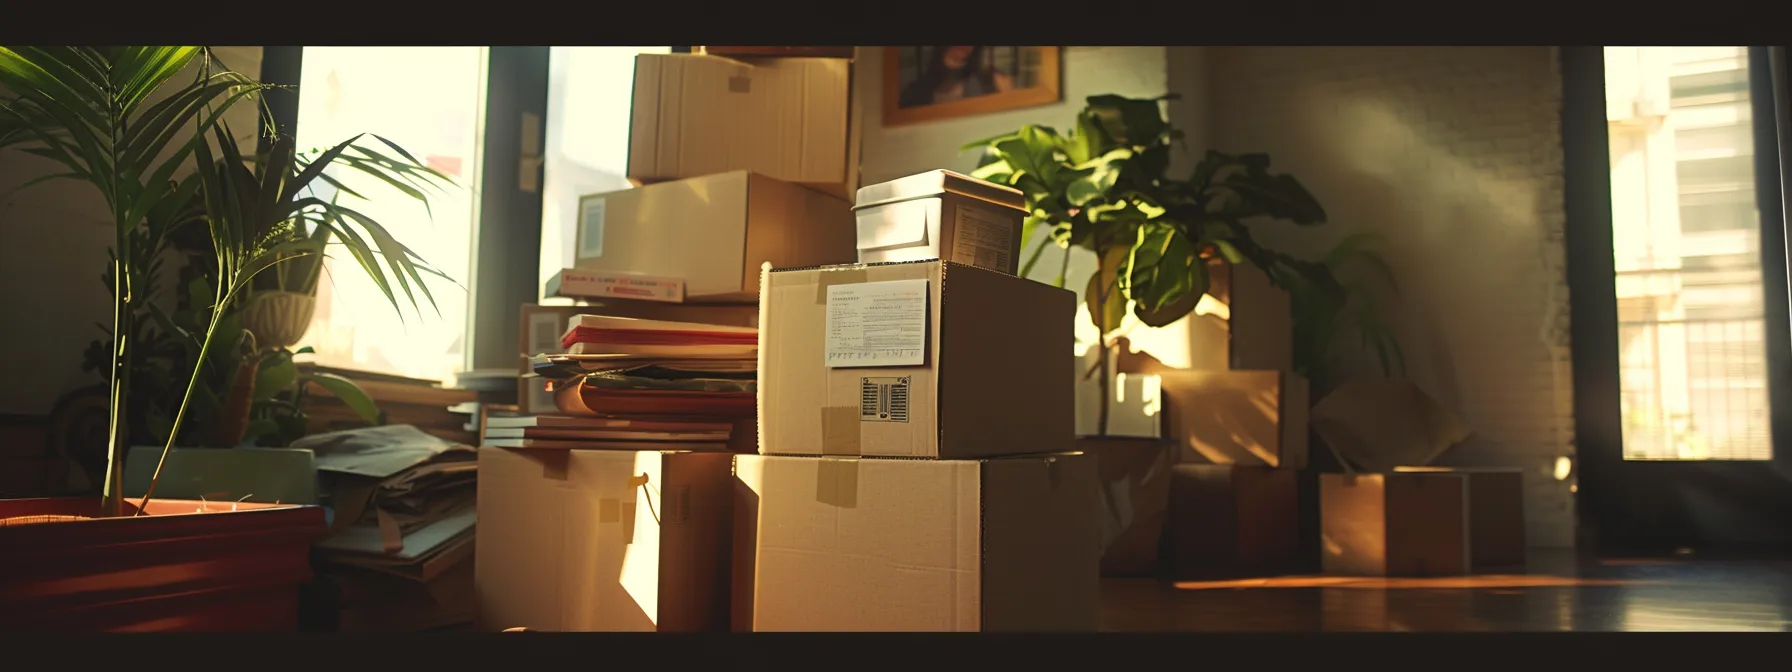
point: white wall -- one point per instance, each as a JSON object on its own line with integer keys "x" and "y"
{"x": 53, "y": 242}
{"x": 1453, "y": 155}
{"x": 1138, "y": 72}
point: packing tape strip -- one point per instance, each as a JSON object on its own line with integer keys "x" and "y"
{"x": 829, "y": 278}
{"x": 840, "y": 430}
{"x": 837, "y": 482}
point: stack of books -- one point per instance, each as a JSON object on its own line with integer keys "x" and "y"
{"x": 637, "y": 384}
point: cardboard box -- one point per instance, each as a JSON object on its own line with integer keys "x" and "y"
{"x": 940, "y": 214}
{"x": 542, "y": 326}
{"x": 1496, "y": 532}
{"x": 712, "y": 232}
{"x": 788, "y": 118}
{"x": 1135, "y": 407}
{"x": 924, "y": 359}
{"x": 1135, "y": 497}
{"x": 1249, "y": 325}
{"x": 850, "y": 544}
{"x": 598, "y": 540}
{"x": 1396, "y": 524}
{"x": 1237, "y": 417}
{"x": 1232, "y": 520}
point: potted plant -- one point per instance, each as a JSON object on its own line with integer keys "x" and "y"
{"x": 1106, "y": 187}
{"x": 120, "y": 120}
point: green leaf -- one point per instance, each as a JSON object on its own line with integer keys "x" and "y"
{"x": 1129, "y": 121}
{"x": 1104, "y": 296}
{"x": 258, "y": 428}
{"x": 1166, "y": 275}
{"x": 306, "y": 350}
{"x": 273, "y": 378}
{"x": 349, "y": 393}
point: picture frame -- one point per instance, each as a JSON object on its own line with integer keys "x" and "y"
{"x": 923, "y": 84}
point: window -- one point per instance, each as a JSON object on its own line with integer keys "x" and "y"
{"x": 1686, "y": 239}
{"x": 429, "y": 100}
{"x": 590, "y": 94}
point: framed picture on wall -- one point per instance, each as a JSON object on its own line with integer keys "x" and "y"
{"x": 934, "y": 83}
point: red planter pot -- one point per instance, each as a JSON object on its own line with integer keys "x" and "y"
{"x": 185, "y": 566}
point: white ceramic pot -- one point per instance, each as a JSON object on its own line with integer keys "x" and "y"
{"x": 279, "y": 319}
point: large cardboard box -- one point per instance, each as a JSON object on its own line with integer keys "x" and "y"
{"x": 788, "y": 118}
{"x": 923, "y": 359}
{"x": 1395, "y": 524}
{"x": 1495, "y": 513}
{"x": 851, "y": 544}
{"x": 1237, "y": 417}
{"x": 713, "y": 232}
{"x": 1231, "y": 520}
{"x": 597, "y": 540}
{"x": 940, "y": 214}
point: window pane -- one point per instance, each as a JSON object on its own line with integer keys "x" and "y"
{"x": 1686, "y": 235}
{"x": 428, "y": 100}
{"x": 590, "y": 92}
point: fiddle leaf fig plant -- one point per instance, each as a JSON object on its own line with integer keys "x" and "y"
{"x": 1105, "y": 187}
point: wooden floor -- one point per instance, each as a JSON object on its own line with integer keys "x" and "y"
{"x": 1556, "y": 593}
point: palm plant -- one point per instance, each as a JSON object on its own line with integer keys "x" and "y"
{"x": 1105, "y": 187}
{"x": 118, "y": 119}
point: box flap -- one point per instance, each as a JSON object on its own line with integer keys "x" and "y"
{"x": 897, "y": 225}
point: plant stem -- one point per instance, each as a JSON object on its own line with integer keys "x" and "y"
{"x": 1027, "y": 268}
{"x": 113, "y": 493}
{"x": 1064, "y": 267}
{"x": 205, "y": 347}
{"x": 1105, "y": 358}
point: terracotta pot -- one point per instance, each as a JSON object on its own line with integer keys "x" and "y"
{"x": 279, "y": 319}
{"x": 185, "y": 566}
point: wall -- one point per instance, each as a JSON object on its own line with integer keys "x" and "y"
{"x": 1453, "y": 155}
{"x": 53, "y": 242}
{"x": 1139, "y": 72}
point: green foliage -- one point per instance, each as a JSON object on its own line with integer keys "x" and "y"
{"x": 1105, "y": 187}
{"x": 116, "y": 118}
{"x": 277, "y": 416}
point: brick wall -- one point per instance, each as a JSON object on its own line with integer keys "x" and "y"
{"x": 1452, "y": 155}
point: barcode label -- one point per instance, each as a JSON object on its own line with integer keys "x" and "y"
{"x": 883, "y": 400}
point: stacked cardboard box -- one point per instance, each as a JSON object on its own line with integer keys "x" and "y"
{"x": 739, "y": 164}
{"x": 916, "y": 466}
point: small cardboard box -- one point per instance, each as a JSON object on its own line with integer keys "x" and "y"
{"x": 598, "y": 540}
{"x": 1135, "y": 494}
{"x": 1395, "y": 524}
{"x": 1135, "y": 406}
{"x": 940, "y": 214}
{"x": 712, "y": 232}
{"x": 1495, "y": 513}
{"x": 1237, "y": 417}
{"x": 788, "y": 118}
{"x": 1230, "y": 520}
{"x": 1247, "y": 326}
{"x": 923, "y": 359}
{"x": 850, "y": 544}
{"x": 543, "y": 326}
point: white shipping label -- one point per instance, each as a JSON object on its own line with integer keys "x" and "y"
{"x": 544, "y": 334}
{"x": 980, "y": 237}
{"x": 591, "y": 229}
{"x": 877, "y": 324}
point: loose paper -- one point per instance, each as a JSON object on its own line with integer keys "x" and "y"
{"x": 981, "y": 238}
{"x": 877, "y": 324}
{"x": 591, "y": 228}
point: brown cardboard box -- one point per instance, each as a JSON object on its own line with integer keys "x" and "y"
{"x": 1003, "y": 339}
{"x": 1237, "y": 417}
{"x": 1249, "y": 327}
{"x": 542, "y": 326}
{"x": 1135, "y": 497}
{"x": 713, "y": 232}
{"x": 851, "y": 544}
{"x": 598, "y": 540}
{"x": 788, "y": 118}
{"x": 1397, "y": 524}
{"x": 940, "y": 214}
{"x": 1495, "y": 513}
{"x": 1232, "y": 520}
